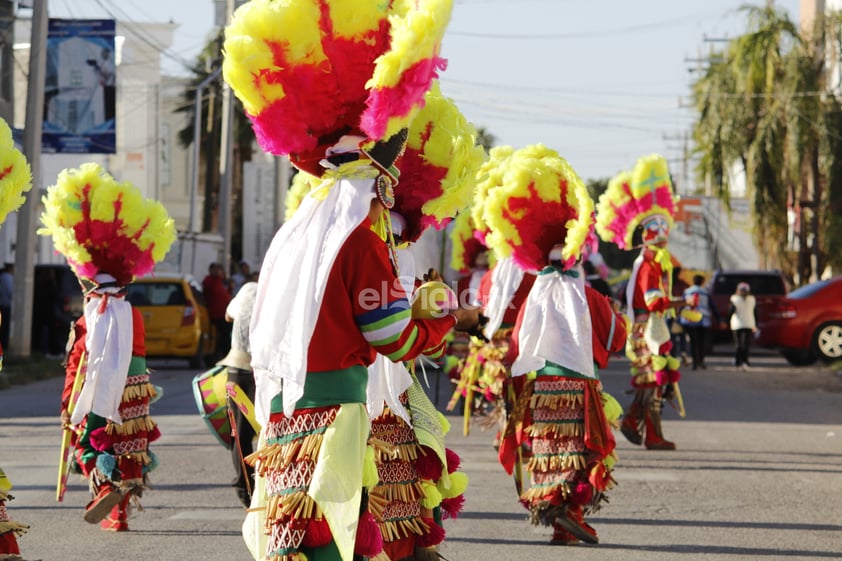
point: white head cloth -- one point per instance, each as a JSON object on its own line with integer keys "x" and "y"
{"x": 108, "y": 343}
{"x": 556, "y": 326}
{"x": 505, "y": 280}
{"x": 292, "y": 285}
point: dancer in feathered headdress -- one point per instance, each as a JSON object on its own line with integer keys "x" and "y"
{"x": 500, "y": 290}
{"x": 636, "y": 210}
{"x": 334, "y": 84}
{"x": 438, "y": 175}
{"x": 540, "y": 217}
{"x": 15, "y": 179}
{"x": 109, "y": 234}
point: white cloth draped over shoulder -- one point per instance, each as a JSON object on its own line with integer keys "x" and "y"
{"x": 505, "y": 280}
{"x": 108, "y": 343}
{"x": 556, "y": 325}
{"x": 292, "y": 283}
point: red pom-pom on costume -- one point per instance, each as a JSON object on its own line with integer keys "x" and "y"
{"x": 100, "y": 440}
{"x": 428, "y": 464}
{"x": 450, "y": 508}
{"x": 453, "y": 460}
{"x": 433, "y": 536}
{"x": 581, "y": 494}
{"x": 154, "y": 434}
{"x": 317, "y": 533}
{"x": 369, "y": 539}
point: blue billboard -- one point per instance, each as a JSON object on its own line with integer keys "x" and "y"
{"x": 80, "y": 87}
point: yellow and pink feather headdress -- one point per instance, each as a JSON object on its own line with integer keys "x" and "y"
{"x": 635, "y": 198}
{"x": 438, "y": 168}
{"x": 15, "y": 174}
{"x": 310, "y": 71}
{"x": 541, "y": 204}
{"x": 103, "y": 226}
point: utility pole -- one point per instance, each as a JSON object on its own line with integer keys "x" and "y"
{"x": 25, "y": 246}
{"x": 226, "y": 171}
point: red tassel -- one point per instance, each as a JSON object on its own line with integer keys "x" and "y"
{"x": 369, "y": 539}
{"x": 100, "y": 441}
{"x": 317, "y": 533}
{"x": 581, "y": 494}
{"x": 453, "y": 460}
{"x": 428, "y": 464}
{"x": 450, "y": 508}
{"x": 434, "y": 536}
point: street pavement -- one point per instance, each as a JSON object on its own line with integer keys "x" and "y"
{"x": 757, "y": 476}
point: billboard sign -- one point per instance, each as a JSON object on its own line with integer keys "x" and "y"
{"x": 80, "y": 89}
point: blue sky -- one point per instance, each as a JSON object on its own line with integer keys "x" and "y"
{"x": 600, "y": 82}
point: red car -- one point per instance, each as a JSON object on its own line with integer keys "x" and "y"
{"x": 806, "y": 324}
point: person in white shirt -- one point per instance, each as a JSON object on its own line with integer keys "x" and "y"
{"x": 743, "y": 320}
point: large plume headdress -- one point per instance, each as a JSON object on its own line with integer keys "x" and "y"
{"x": 102, "y": 226}
{"x": 15, "y": 174}
{"x": 541, "y": 204}
{"x": 634, "y": 198}
{"x": 489, "y": 177}
{"x": 438, "y": 168}
{"x": 311, "y": 71}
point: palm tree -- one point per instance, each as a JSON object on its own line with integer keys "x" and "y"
{"x": 763, "y": 103}
{"x": 206, "y": 63}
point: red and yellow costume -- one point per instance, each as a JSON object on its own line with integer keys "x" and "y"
{"x": 109, "y": 234}
{"x": 540, "y": 216}
{"x": 15, "y": 180}
{"x": 110, "y": 454}
{"x": 641, "y": 203}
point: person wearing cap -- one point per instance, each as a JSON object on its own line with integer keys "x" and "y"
{"x": 742, "y": 314}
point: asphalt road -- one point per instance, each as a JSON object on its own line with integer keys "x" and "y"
{"x": 757, "y": 476}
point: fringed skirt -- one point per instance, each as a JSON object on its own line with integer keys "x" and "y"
{"x": 559, "y": 462}
{"x": 395, "y": 502}
{"x": 287, "y": 461}
{"x": 120, "y": 452}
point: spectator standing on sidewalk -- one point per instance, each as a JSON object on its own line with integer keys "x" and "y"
{"x": 678, "y": 335}
{"x": 743, "y": 318}
{"x": 698, "y": 299}
{"x": 217, "y": 297}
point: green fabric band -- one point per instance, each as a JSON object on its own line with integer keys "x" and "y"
{"x": 553, "y": 369}
{"x": 331, "y": 387}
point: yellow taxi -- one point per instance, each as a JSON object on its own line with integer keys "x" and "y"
{"x": 175, "y": 316}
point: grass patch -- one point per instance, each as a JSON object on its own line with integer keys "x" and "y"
{"x": 18, "y": 370}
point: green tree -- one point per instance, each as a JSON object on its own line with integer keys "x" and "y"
{"x": 763, "y": 103}
{"x": 206, "y": 63}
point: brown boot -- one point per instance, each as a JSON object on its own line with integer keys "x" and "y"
{"x": 632, "y": 425}
{"x": 574, "y": 522}
{"x": 654, "y": 436}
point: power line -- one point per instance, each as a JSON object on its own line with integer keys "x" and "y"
{"x": 593, "y": 34}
